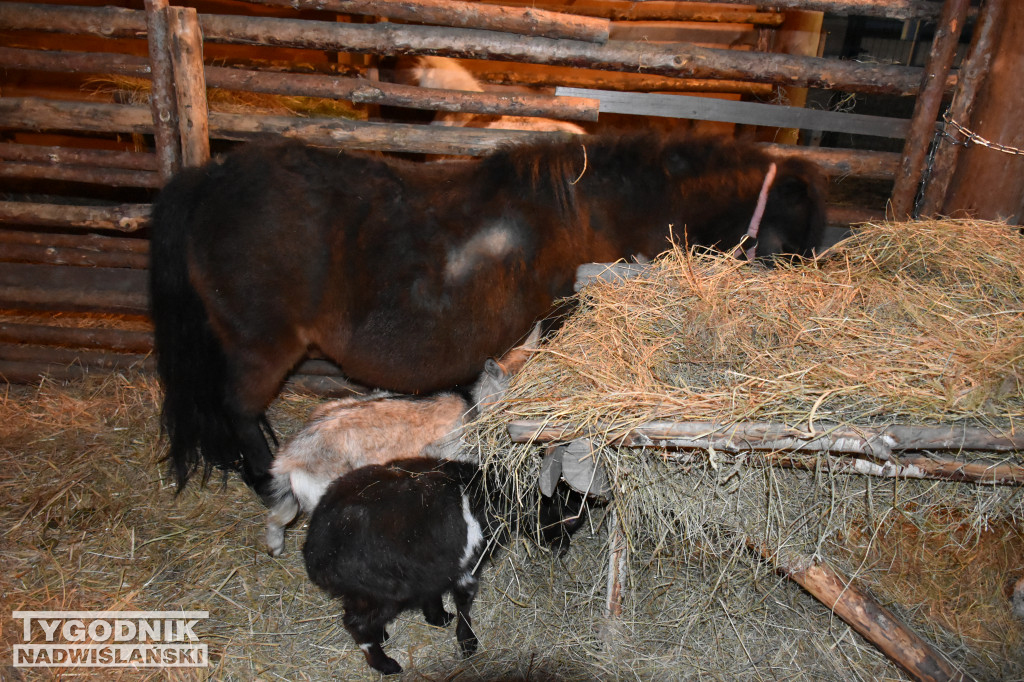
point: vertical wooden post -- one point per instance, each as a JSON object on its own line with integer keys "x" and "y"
{"x": 989, "y": 183}
{"x": 161, "y": 97}
{"x": 800, "y": 34}
{"x": 926, "y": 108}
{"x": 186, "y": 41}
{"x": 969, "y": 80}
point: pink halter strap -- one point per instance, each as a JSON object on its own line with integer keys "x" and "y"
{"x": 755, "y": 220}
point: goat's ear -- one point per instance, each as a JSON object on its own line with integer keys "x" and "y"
{"x": 493, "y": 368}
{"x": 533, "y": 340}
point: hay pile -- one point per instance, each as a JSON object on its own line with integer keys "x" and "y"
{"x": 918, "y": 323}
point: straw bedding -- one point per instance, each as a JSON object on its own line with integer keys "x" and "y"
{"x": 918, "y": 323}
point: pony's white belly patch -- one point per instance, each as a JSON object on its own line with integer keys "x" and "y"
{"x": 474, "y": 534}
{"x": 490, "y": 244}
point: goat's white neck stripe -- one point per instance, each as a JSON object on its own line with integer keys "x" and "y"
{"x": 755, "y": 220}
{"x": 474, "y": 533}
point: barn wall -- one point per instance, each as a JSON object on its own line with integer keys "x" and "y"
{"x": 78, "y": 161}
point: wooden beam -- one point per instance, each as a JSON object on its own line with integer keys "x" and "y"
{"x": 876, "y": 441}
{"x": 841, "y": 162}
{"x": 677, "y": 60}
{"x": 655, "y": 10}
{"x": 186, "y": 46}
{"x": 750, "y": 113}
{"x": 58, "y": 255}
{"x": 123, "y": 218}
{"x": 988, "y": 181}
{"x": 926, "y": 108}
{"x": 162, "y": 101}
{"x": 91, "y": 242}
{"x": 111, "y": 177}
{"x": 532, "y": 21}
{"x": 95, "y": 338}
{"x": 73, "y": 156}
{"x": 859, "y": 610}
{"x": 891, "y": 9}
{"x": 74, "y": 62}
{"x": 57, "y": 287}
{"x": 973, "y": 72}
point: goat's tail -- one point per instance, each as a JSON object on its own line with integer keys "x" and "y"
{"x": 190, "y": 360}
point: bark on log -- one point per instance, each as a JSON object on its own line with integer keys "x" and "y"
{"x": 186, "y": 46}
{"x": 162, "y": 100}
{"x": 620, "y": 81}
{"x": 112, "y": 177}
{"x": 870, "y": 619}
{"x": 989, "y": 182}
{"x": 372, "y": 92}
{"x": 94, "y": 338}
{"x": 34, "y": 113}
{"x": 926, "y": 108}
{"x": 92, "y": 359}
{"x": 71, "y": 156}
{"x": 892, "y": 9}
{"x": 124, "y": 218}
{"x": 972, "y": 75}
{"x": 842, "y": 162}
{"x": 91, "y": 242}
{"x": 879, "y": 442}
{"x": 55, "y": 287}
{"x": 56, "y": 255}
{"x": 531, "y": 21}
{"x": 655, "y": 10}
{"x": 74, "y": 62}
{"x": 679, "y": 60}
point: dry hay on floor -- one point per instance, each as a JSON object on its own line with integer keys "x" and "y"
{"x": 916, "y": 323}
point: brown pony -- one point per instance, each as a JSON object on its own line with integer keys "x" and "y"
{"x": 410, "y": 275}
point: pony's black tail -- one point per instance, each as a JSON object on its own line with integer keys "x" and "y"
{"x": 190, "y": 360}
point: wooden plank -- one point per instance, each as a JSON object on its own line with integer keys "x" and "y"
{"x": 891, "y": 9}
{"x": 751, "y": 113}
{"x": 55, "y": 287}
{"x": 656, "y": 10}
{"x": 92, "y": 242}
{"x": 58, "y": 255}
{"x": 123, "y": 218}
{"x": 926, "y": 108}
{"x": 532, "y": 21}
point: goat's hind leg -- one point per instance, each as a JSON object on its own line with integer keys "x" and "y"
{"x": 365, "y": 622}
{"x": 464, "y": 592}
{"x": 434, "y": 613}
{"x": 282, "y": 512}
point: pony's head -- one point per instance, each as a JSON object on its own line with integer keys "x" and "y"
{"x": 793, "y": 219}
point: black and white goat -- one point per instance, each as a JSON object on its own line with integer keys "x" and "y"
{"x": 343, "y": 435}
{"x": 389, "y": 538}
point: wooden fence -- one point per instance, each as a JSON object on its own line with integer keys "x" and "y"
{"x": 82, "y": 251}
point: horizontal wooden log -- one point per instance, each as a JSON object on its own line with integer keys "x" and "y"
{"x": 90, "y": 242}
{"x": 58, "y": 255}
{"x": 859, "y": 610}
{"x": 111, "y": 177}
{"x": 92, "y": 359}
{"x": 56, "y": 287}
{"x": 74, "y": 62}
{"x": 313, "y": 85}
{"x": 891, "y": 9}
{"x": 531, "y": 21}
{"x": 392, "y": 94}
{"x": 678, "y": 60}
{"x": 72, "y": 156}
{"x": 123, "y": 218}
{"x": 95, "y": 338}
{"x": 655, "y": 10}
{"x": 879, "y": 442}
{"x": 621, "y": 81}
{"x": 842, "y": 162}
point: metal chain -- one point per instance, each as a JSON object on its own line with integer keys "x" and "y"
{"x": 972, "y": 137}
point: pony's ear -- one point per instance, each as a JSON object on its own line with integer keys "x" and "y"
{"x": 493, "y": 368}
{"x": 532, "y": 341}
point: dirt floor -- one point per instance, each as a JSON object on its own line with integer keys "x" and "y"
{"x": 90, "y": 522}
